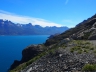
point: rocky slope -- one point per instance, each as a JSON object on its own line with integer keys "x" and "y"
{"x": 61, "y": 62}
{"x": 67, "y": 52}
{"x": 84, "y": 31}
{"x": 68, "y": 55}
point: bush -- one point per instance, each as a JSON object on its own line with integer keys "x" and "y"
{"x": 89, "y": 67}
{"x": 72, "y": 50}
{"x": 86, "y": 51}
{"x": 80, "y": 51}
{"x": 94, "y": 51}
{"x": 87, "y": 43}
{"x": 91, "y": 48}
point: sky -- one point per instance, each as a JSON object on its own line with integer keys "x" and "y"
{"x": 47, "y": 12}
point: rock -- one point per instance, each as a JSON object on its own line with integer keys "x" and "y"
{"x": 27, "y": 54}
{"x": 93, "y": 35}
{"x": 15, "y": 64}
{"x": 31, "y": 52}
{"x": 64, "y": 41}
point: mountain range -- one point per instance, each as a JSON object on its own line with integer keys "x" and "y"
{"x": 10, "y": 28}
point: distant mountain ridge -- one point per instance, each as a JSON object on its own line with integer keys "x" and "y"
{"x": 10, "y": 28}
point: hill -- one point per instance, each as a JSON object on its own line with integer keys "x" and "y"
{"x": 85, "y": 30}
{"x": 72, "y": 51}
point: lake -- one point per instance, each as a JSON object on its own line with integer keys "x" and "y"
{"x": 11, "y": 48}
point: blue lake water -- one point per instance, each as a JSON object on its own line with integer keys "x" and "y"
{"x": 11, "y": 48}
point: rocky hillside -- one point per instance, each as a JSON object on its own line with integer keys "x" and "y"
{"x": 63, "y": 59}
{"x": 82, "y": 31}
{"x": 68, "y": 55}
{"x": 71, "y": 51}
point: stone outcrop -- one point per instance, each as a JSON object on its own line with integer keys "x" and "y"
{"x": 27, "y": 54}
{"x": 31, "y": 52}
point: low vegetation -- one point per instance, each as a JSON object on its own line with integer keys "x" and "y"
{"x": 89, "y": 67}
{"x": 82, "y": 46}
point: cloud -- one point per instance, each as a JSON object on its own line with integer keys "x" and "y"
{"x": 70, "y": 23}
{"x": 25, "y": 19}
{"x": 66, "y": 2}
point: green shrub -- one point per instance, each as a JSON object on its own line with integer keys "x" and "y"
{"x": 87, "y": 43}
{"x": 84, "y": 47}
{"x": 94, "y": 51}
{"x": 86, "y": 51}
{"x": 87, "y": 47}
{"x": 80, "y": 51}
{"x": 72, "y": 50}
{"x": 89, "y": 67}
{"x": 91, "y": 48}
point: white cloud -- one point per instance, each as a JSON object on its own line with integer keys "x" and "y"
{"x": 66, "y": 2}
{"x": 70, "y": 23}
{"x": 25, "y": 19}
